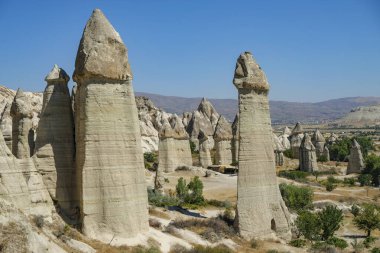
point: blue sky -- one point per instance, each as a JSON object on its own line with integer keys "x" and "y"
{"x": 311, "y": 50}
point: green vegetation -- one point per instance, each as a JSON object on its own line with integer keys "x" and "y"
{"x": 372, "y": 167}
{"x": 296, "y": 175}
{"x": 193, "y": 147}
{"x": 298, "y": 243}
{"x": 155, "y": 198}
{"x": 321, "y": 225}
{"x": 322, "y": 158}
{"x": 149, "y": 159}
{"x": 365, "y": 179}
{"x": 368, "y": 218}
{"x": 297, "y": 198}
{"x": 288, "y": 153}
{"x": 341, "y": 149}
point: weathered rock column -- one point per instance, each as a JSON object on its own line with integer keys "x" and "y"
{"x": 204, "y": 150}
{"x": 235, "y": 140}
{"x": 55, "y": 147}
{"x": 318, "y": 142}
{"x": 278, "y": 151}
{"x": 260, "y": 209}
{"x": 222, "y": 138}
{"x": 308, "y": 156}
{"x": 355, "y": 159}
{"x": 326, "y": 153}
{"x": 296, "y": 139}
{"x": 109, "y": 156}
{"x": 21, "y": 125}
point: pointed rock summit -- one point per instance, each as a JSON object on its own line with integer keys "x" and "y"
{"x": 109, "y": 155}
{"x": 355, "y": 159}
{"x": 256, "y": 215}
{"x": 55, "y": 146}
{"x": 308, "y": 156}
{"x": 101, "y": 52}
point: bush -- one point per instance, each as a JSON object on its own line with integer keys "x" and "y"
{"x": 155, "y": 198}
{"x": 372, "y": 167}
{"x": 297, "y": 198}
{"x": 150, "y": 157}
{"x": 193, "y": 147}
{"x": 288, "y": 153}
{"x": 365, "y": 179}
{"x": 368, "y": 218}
{"x": 322, "y": 158}
{"x": 375, "y": 250}
{"x": 355, "y": 210}
{"x": 195, "y": 194}
{"x": 218, "y": 203}
{"x": 181, "y": 189}
{"x": 255, "y": 244}
{"x": 296, "y": 175}
{"x": 349, "y": 181}
{"x": 298, "y": 243}
{"x": 369, "y": 241}
{"x": 337, "y": 242}
{"x": 330, "y": 219}
{"x": 308, "y": 225}
{"x": 39, "y": 221}
{"x": 330, "y": 186}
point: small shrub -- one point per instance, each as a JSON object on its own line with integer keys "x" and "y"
{"x": 39, "y": 221}
{"x": 355, "y": 210}
{"x": 337, "y": 242}
{"x": 155, "y": 198}
{"x": 218, "y": 203}
{"x": 288, "y": 153}
{"x": 375, "y": 250}
{"x": 365, "y": 179}
{"x": 255, "y": 244}
{"x": 296, "y": 175}
{"x": 297, "y": 198}
{"x": 150, "y": 157}
{"x": 330, "y": 186}
{"x": 357, "y": 246}
{"x": 154, "y": 223}
{"x": 322, "y": 158}
{"x": 369, "y": 241}
{"x": 193, "y": 147}
{"x": 349, "y": 181}
{"x": 298, "y": 243}
{"x": 323, "y": 247}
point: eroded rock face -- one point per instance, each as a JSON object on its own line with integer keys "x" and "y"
{"x": 308, "y": 156}
{"x": 235, "y": 139}
{"x": 108, "y": 142}
{"x": 55, "y": 147}
{"x": 296, "y": 139}
{"x": 355, "y": 159}
{"x": 326, "y": 153}
{"x": 204, "y": 150}
{"x": 278, "y": 151}
{"x": 22, "y": 115}
{"x": 319, "y": 142}
{"x": 260, "y": 209}
{"x": 208, "y": 110}
{"x": 222, "y": 138}
{"x": 174, "y": 147}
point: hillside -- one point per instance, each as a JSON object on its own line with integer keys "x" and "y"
{"x": 361, "y": 116}
{"x": 281, "y": 111}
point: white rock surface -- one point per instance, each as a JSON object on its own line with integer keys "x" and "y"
{"x": 260, "y": 209}
{"x": 109, "y": 155}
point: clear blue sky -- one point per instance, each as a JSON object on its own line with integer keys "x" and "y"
{"x": 311, "y": 50}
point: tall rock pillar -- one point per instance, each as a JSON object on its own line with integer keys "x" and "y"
{"x": 223, "y": 137}
{"x": 109, "y": 157}
{"x": 307, "y": 155}
{"x": 355, "y": 159}
{"x": 21, "y": 125}
{"x": 260, "y": 209}
{"x": 55, "y": 147}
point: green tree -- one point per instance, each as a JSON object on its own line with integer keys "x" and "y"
{"x": 366, "y": 144}
{"x": 181, "y": 189}
{"x": 340, "y": 149}
{"x": 308, "y": 225}
{"x": 330, "y": 219}
{"x": 297, "y": 198}
{"x": 195, "y": 196}
{"x": 368, "y": 218}
{"x": 372, "y": 167}
{"x": 365, "y": 179}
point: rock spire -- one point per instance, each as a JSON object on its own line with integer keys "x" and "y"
{"x": 260, "y": 209}
{"x": 55, "y": 146}
{"x": 109, "y": 155}
{"x": 308, "y": 156}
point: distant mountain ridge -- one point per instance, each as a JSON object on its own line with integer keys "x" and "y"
{"x": 282, "y": 112}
